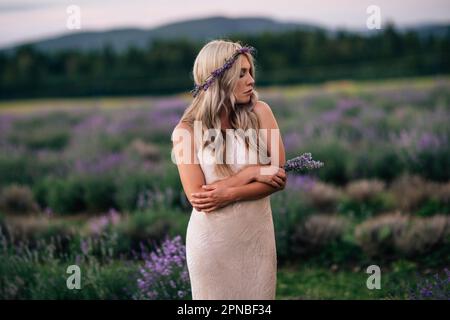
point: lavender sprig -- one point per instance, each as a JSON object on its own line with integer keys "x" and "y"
{"x": 302, "y": 163}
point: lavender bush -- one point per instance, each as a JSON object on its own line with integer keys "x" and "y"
{"x": 436, "y": 288}
{"x": 164, "y": 275}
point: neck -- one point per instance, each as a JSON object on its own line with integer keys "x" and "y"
{"x": 225, "y": 119}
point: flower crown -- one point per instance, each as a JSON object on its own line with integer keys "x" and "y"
{"x": 220, "y": 71}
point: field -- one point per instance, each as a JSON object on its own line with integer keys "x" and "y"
{"x": 90, "y": 182}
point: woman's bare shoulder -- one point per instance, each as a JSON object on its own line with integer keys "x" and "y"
{"x": 262, "y": 107}
{"x": 182, "y": 125}
{"x": 263, "y": 110}
{"x": 182, "y": 129}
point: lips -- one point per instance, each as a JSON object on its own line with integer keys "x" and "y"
{"x": 249, "y": 91}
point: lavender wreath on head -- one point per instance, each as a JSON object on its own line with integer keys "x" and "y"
{"x": 220, "y": 71}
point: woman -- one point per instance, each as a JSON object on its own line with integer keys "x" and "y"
{"x": 230, "y": 240}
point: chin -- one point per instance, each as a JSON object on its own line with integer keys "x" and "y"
{"x": 244, "y": 100}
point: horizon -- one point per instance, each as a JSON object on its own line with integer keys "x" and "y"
{"x": 49, "y": 16}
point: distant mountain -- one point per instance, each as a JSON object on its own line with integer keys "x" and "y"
{"x": 198, "y": 29}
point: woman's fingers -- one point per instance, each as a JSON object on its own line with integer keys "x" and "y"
{"x": 200, "y": 194}
{"x": 209, "y": 186}
{"x": 200, "y": 200}
{"x": 273, "y": 183}
{"x": 279, "y": 181}
{"x": 202, "y": 205}
{"x": 281, "y": 174}
{"x": 205, "y": 205}
{"x": 210, "y": 209}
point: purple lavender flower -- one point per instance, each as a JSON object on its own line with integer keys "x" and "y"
{"x": 301, "y": 182}
{"x": 331, "y": 117}
{"x": 176, "y": 104}
{"x": 302, "y": 163}
{"x": 99, "y": 163}
{"x": 292, "y": 141}
{"x": 114, "y": 217}
{"x": 436, "y": 288}
{"x": 98, "y": 224}
{"x": 164, "y": 274}
{"x": 430, "y": 141}
{"x": 84, "y": 246}
{"x": 91, "y": 122}
{"x": 48, "y": 212}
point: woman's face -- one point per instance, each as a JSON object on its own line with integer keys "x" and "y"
{"x": 245, "y": 84}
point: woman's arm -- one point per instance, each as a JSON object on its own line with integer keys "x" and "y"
{"x": 242, "y": 177}
{"x": 269, "y": 123}
{"x": 215, "y": 196}
{"x": 252, "y": 191}
{"x": 191, "y": 174}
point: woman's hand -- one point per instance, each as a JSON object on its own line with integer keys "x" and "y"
{"x": 276, "y": 178}
{"x": 215, "y": 196}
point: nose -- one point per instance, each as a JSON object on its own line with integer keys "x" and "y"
{"x": 250, "y": 80}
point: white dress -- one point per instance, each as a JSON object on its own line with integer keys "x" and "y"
{"x": 231, "y": 252}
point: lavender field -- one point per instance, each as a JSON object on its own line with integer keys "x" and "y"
{"x": 90, "y": 182}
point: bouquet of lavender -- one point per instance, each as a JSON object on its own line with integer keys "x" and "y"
{"x": 302, "y": 163}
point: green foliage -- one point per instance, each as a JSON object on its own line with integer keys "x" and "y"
{"x": 385, "y": 163}
{"x": 432, "y": 164}
{"x": 53, "y": 139}
{"x": 431, "y": 207}
{"x": 165, "y": 66}
{"x": 335, "y": 157}
{"x": 151, "y": 226}
{"x": 66, "y": 196}
{"x": 360, "y": 210}
{"x": 48, "y": 281}
{"x": 288, "y": 211}
{"x": 130, "y": 186}
{"x": 21, "y": 170}
{"x": 312, "y": 281}
{"x": 99, "y": 193}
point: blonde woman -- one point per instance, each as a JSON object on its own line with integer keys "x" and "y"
{"x": 230, "y": 240}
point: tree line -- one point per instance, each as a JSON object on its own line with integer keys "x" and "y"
{"x": 165, "y": 66}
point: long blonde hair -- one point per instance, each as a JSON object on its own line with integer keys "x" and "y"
{"x": 207, "y": 105}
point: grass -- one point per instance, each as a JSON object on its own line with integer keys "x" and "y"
{"x": 115, "y": 281}
{"x": 24, "y": 279}
{"x": 307, "y": 282}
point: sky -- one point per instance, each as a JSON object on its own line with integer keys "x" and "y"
{"x": 24, "y": 20}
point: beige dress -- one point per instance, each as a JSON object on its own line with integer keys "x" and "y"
{"x": 231, "y": 252}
